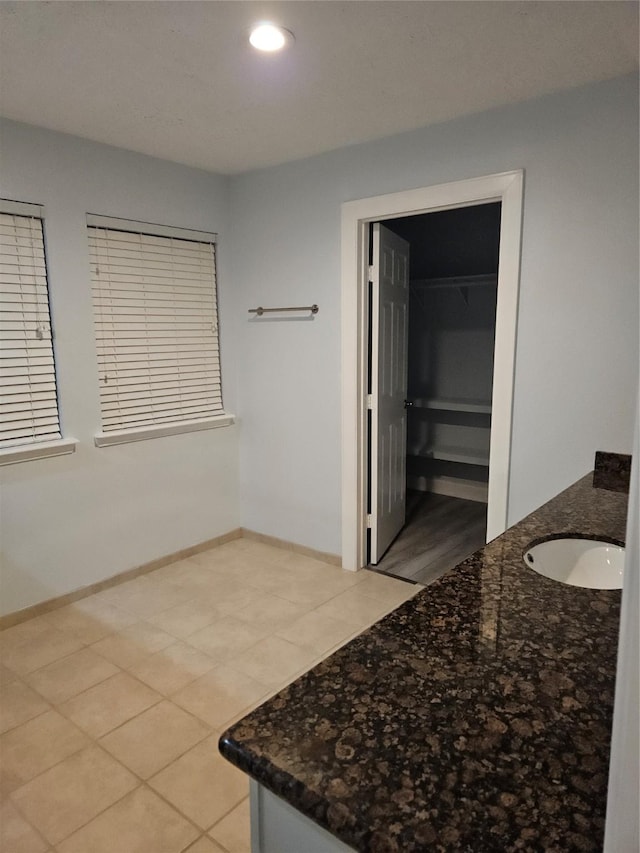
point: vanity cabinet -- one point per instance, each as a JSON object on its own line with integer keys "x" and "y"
{"x": 276, "y": 827}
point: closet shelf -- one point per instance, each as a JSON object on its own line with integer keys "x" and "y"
{"x": 482, "y": 407}
{"x": 485, "y": 280}
{"x": 453, "y": 453}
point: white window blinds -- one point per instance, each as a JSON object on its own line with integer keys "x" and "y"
{"x": 29, "y": 411}
{"x": 156, "y": 326}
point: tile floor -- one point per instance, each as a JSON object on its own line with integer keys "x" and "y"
{"x": 111, "y": 708}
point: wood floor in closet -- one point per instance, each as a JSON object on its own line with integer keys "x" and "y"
{"x": 440, "y": 532}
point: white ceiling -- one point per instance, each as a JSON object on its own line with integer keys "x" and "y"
{"x": 178, "y": 80}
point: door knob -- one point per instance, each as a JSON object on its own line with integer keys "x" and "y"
{"x": 408, "y": 404}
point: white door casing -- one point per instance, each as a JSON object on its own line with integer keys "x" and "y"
{"x": 507, "y": 188}
{"x": 389, "y": 276}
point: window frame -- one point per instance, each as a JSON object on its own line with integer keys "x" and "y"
{"x": 47, "y": 447}
{"x": 127, "y": 434}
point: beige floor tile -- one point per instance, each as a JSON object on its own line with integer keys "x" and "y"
{"x": 127, "y": 592}
{"x": 276, "y": 553}
{"x": 219, "y": 563}
{"x": 388, "y": 590}
{"x": 38, "y": 651}
{"x": 313, "y": 587}
{"x": 65, "y": 678}
{"x": 268, "y": 576}
{"x": 109, "y": 704}
{"x": 171, "y": 572}
{"x": 143, "y": 596}
{"x": 140, "y": 823}
{"x": 198, "y": 582}
{"x": 261, "y": 550}
{"x": 132, "y": 645}
{"x": 233, "y": 832}
{"x": 221, "y": 696}
{"x": 172, "y": 593}
{"x": 186, "y": 619}
{"x": 231, "y": 546}
{"x": 317, "y": 632}
{"x": 36, "y": 746}
{"x": 317, "y": 568}
{"x": 216, "y": 553}
{"x": 173, "y": 668}
{"x": 355, "y": 607}
{"x": 91, "y": 618}
{"x": 229, "y": 602}
{"x": 73, "y": 792}
{"x": 16, "y": 835}
{"x": 274, "y": 661}
{"x": 239, "y": 568}
{"x": 331, "y": 575}
{"x": 153, "y": 739}
{"x": 304, "y": 591}
{"x": 19, "y": 703}
{"x": 202, "y": 784}
{"x": 270, "y": 612}
{"x": 205, "y": 845}
{"x": 24, "y": 631}
{"x": 226, "y": 637}
{"x": 193, "y": 577}
{"x": 222, "y": 555}
{"x": 6, "y": 675}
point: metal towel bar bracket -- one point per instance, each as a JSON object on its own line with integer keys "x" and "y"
{"x": 260, "y": 310}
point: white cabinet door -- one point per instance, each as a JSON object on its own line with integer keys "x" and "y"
{"x": 389, "y": 332}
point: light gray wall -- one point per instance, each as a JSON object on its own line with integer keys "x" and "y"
{"x": 73, "y": 520}
{"x": 576, "y": 360}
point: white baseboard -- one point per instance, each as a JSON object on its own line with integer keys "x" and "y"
{"x": 468, "y": 490}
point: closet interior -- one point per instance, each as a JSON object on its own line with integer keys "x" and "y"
{"x": 452, "y": 315}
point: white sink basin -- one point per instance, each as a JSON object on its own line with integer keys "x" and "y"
{"x": 579, "y": 562}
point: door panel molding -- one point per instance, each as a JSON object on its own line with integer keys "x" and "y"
{"x": 389, "y": 332}
{"x": 507, "y": 188}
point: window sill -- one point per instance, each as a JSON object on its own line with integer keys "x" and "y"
{"x": 44, "y": 450}
{"x": 125, "y": 436}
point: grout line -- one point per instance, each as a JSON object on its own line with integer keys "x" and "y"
{"x": 8, "y": 620}
{"x": 29, "y": 823}
{"x": 270, "y": 691}
{"x": 180, "y": 812}
{"x": 191, "y": 845}
{"x": 142, "y": 783}
{"x": 30, "y": 720}
{"x": 51, "y": 663}
{"x": 225, "y": 815}
{"x": 212, "y": 731}
{"x": 287, "y": 545}
{"x": 94, "y": 743}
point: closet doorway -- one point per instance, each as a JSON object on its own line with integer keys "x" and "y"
{"x": 433, "y": 297}
{"x": 358, "y": 408}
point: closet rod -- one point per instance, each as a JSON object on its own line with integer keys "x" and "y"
{"x": 260, "y": 310}
{"x": 455, "y": 281}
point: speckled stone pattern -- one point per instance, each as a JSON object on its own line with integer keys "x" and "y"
{"x": 475, "y": 717}
{"x": 612, "y": 471}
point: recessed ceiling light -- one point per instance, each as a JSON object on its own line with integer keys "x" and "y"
{"x": 269, "y": 37}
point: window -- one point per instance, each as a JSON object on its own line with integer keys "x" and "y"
{"x": 156, "y": 326}
{"x": 29, "y": 416}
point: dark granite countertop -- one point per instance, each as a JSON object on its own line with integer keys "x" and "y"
{"x": 475, "y": 717}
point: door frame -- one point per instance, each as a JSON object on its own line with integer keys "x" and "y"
{"x": 507, "y": 188}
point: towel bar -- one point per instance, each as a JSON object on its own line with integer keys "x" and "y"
{"x": 260, "y": 310}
